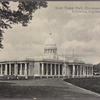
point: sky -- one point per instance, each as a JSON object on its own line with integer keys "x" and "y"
{"x": 75, "y": 26}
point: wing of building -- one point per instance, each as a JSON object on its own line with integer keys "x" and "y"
{"x": 49, "y": 65}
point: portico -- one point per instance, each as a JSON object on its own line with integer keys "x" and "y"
{"x": 50, "y": 69}
{"x": 46, "y": 69}
{"x": 13, "y": 68}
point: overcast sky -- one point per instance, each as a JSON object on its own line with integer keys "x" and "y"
{"x": 71, "y": 31}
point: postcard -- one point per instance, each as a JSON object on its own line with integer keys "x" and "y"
{"x": 50, "y": 49}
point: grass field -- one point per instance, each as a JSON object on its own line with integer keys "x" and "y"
{"x": 36, "y": 88}
{"x": 92, "y": 83}
{"x": 42, "y": 88}
{"x": 24, "y": 89}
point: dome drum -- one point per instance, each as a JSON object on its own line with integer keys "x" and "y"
{"x": 50, "y": 51}
{"x": 50, "y": 48}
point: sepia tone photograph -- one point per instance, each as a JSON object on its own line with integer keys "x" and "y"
{"x": 49, "y": 50}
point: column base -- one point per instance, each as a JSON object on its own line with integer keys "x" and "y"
{"x": 26, "y": 77}
{"x": 40, "y": 76}
{"x": 7, "y": 77}
{"x": 17, "y": 77}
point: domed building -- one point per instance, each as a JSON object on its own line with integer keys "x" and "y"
{"x": 50, "y": 48}
{"x": 50, "y": 65}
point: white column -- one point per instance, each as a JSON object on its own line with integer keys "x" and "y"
{"x": 5, "y": 69}
{"x": 55, "y": 69}
{"x": 51, "y": 68}
{"x": 64, "y": 70}
{"x": 1, "y": 69}
{"x": 92, "y": 70}
{"x": 84, "y": 70}
{"x": 47, "y": 69}
{"x": 20, "y": 68}
{"x": 15, "y": 68}
{"x": 9, "y": 69}
{"x": 52, "y": 50}
{"x": 77, "y": 70}
{"x": 58, "y": 69}
{"x": 28, "y": 68}
{"x": 80, "y": 70}
{"x": 42, "y": 69}
{"x": 73, "y": 71}
{"x": 25, "y": 70}
{"x": 87, "y": 70}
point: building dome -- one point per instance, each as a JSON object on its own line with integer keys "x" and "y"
{"x": 50, "y": 41}
{"x": 50, "y": 46}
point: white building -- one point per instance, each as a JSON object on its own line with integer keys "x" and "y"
{"x": 49, "y": 65}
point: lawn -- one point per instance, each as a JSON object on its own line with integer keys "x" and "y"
{"x": 9, "y": 91}
{"x": 91, "y": 83}
{"x": 23, "y": 89}
{"x": 42, "y": 88}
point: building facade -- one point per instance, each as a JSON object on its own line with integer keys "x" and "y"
{"x": 49, "y": 65}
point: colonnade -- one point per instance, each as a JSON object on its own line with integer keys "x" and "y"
{"x": 82, "y": 70}
{"x": 50, "y": 69}
{"x": 46, "y": 69}
{"x": 14, "y": 69}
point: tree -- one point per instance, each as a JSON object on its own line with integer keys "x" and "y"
{"x": 22, "y": 15}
